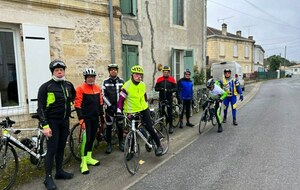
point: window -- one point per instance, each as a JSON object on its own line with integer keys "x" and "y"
{"x": 235, "y": 50}
{"x": 9, "y": 93}
{"x": 246, "y": 51}
{"x": 129, "y": 7}
{"x": 222, "y": 50}
{"x": 178, "y": 13}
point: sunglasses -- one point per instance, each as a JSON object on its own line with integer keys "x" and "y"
{"x": 59, "y": 64}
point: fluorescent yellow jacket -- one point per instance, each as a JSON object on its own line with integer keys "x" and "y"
{"x": 135, "y": 100}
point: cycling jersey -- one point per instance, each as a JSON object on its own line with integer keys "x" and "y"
{"x": 185, "y": 89}
{"x": 88, "y": 101}
{"x": 166, "y": 86}
{"x": 54, "y": 100}
{"x": 111, "y": 90}
{"x": 133, "y": 97}
{"x": 217, "y": 93}
{"x": 231, "y": 86}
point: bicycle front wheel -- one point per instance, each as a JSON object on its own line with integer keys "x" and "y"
{"x": 131, "y": 153}
{"x": 9, "y": 165}
{"x": 163, "y": 135}
{"x": 176, "y": 114}
{"x": 75, "y": 142}
{"x": 202, "y": 122}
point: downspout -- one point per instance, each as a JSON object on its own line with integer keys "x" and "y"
{"x": 111, "y": 26}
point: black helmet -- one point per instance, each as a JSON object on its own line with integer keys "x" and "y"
{"x": 56, "y": 64}
{"x": 210, "y": 83}
{"x": 227, "y": 70}
{"x": 113, "y": 65}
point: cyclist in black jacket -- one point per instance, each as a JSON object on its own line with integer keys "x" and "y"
{"x": 166, "y": 85}
{"x": 111, "y": 88}
{"x": 54, "y": 107}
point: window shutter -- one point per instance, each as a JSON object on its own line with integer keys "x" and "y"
{"x": 37, "y": 59}
{"x": 189, "y": 62}
{"x": 126, "y": 6}
{"x": 134, "y": 7}
{"x": 175, "y": 11}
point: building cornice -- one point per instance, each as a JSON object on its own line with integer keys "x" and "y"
{"x": 72, "y": 5}
{"x": 229, "y": 38}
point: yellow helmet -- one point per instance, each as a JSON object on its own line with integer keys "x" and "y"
{"x": 166, "y": 68}
{"x": 137, "y": 69}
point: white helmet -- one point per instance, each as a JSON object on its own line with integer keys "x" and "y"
{"x": 89, "y": 72}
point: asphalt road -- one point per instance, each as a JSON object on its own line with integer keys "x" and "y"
{"x": 112, "y": 175}
{"x": 262, "y": 152}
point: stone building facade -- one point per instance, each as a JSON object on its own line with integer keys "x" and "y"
{"x": 160, "y": 33}
{"x": 224, "y": 46}
{"x": 34, "y": 32}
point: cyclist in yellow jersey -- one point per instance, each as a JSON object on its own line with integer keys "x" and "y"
{"x": 133, "y": 99}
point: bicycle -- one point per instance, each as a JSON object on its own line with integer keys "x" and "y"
{"x": 132, "y": 148}
{"x": 156, "y": 113}
{"x": 207, "y": 115}
{"x": 196, "y": 102}
{"x": 75, "y": 139}
{"x": 9, "y": 161}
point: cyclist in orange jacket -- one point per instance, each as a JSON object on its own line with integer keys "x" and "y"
{"x": 89, "y": 106}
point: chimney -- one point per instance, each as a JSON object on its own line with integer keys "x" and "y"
{"x": 250, "y": 37}
{"x": 224, "y": 29}
{"x": 239, "y": 33}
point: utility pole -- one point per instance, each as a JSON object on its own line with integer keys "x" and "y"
{"x": 284, "y": 57}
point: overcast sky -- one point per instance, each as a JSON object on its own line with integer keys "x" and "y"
{"x": 274, "y": 24}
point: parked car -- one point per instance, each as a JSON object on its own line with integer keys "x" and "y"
{"x": 288, "y": 74}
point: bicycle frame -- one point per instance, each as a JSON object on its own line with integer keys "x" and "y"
{"x": 136, "y": 131}
{"x": 7, "y": 138}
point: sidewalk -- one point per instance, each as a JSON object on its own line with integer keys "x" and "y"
{"x": 112, "y": 174}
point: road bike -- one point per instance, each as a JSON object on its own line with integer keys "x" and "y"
{"x": 75, "y": 139}
{"x": 132, "y": 147}
{"x": 158, "y": 112}
{"x": 9, "y": 161}
{"x": 207, "y": 115}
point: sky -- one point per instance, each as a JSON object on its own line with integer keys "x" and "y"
{"x": 274, "y": 24}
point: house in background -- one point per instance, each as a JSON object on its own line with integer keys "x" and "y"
{"x": 259, "y": 54}
{"x": 224, "y": 46}
{"x": 34, "y": 32}
{"x": 295, "y": 69}
{"x": 159, "y": 33}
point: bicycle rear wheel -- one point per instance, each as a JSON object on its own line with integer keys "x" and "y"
{"x": 131, "y": 153}
{"x": 202, "y": 122}
{"x": 163, "y": 135}
{"x": 9, "y": 165}
{"x": 197, "y": 105}
{"x": 75, "y": 142}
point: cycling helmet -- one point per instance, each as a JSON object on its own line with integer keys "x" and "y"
{"x": 210, "y": 83}
{"x": 137, "y": 69}
{"x": 56, "y": 64}
{"x": 227, "y": 70}
{"x": 89, "y": 72}
{"x": 187, "y": 71}
{"x": 113, "y": 65}
{"x": 166, "y": 68}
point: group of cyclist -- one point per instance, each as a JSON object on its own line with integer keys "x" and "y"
{"x": 113, "y": 99}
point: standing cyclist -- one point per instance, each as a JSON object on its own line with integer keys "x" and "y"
{"x": 232, "y": 87}
{"x": 54, "y": 107}
{"x": 185, "y": 91}
{"x": 166, "y": 85}
{"x": 89, "y": 107}
{"x": 111, "y": 90}
{"x": 217, "y": 94}
{"x": 133, "y": 99}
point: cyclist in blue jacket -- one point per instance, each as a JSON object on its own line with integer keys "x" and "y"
{"x": 185, "y": 97}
